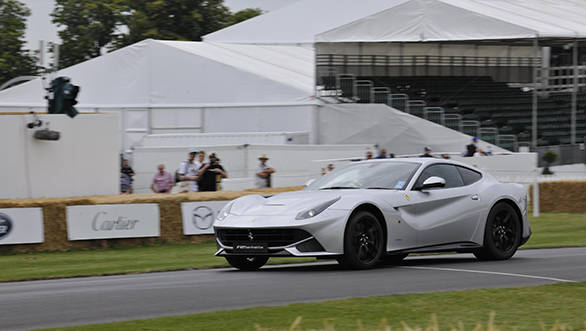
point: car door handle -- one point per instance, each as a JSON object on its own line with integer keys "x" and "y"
{"x": 474, "y": 197}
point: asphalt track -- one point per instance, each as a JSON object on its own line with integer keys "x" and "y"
{"x": 80, "y": 301}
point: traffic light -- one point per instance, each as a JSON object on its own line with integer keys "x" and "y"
{"x": 62, "y": 97}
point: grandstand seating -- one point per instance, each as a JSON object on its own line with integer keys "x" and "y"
{"x": 476, "y": 105}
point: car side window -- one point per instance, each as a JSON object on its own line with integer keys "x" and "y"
{"x": 469, "y": 176}
{"x": 445, "y": 171}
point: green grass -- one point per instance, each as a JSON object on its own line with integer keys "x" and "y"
{"x": 164, "y": 257}
{"x": 557, "y": 230}
{"x": 550, "y": 230}
{"x": 522, "y": 308}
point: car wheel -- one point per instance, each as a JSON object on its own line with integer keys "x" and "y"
{"x": 394, "y": 259}
{"x": 247, "y": 263}
{"x": 502, "y": 234}
{"x": 363, "y": 242}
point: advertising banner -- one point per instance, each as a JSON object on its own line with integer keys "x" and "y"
{"x": 21, "y": 226}
{"x": 198, "y": 217}
{"x": 113, "y": 221}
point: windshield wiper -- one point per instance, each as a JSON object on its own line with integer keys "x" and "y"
{"x": 379, "y": 188}
{"x": 339, "y": 188}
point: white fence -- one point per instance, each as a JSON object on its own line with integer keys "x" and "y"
{"x": 293, "y": 163}
{"x": 84, "y": 161}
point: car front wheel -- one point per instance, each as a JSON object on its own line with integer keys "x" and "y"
{"x": 502, "y": 234}
{"x": 247, "y": 263}
{"x": 363, "y": 242}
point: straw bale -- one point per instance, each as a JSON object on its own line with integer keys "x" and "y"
{"x": 562, "y": 196}
{"x": 55, "y": 224}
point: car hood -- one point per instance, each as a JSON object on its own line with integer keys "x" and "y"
{"x": 291, "y": 203}
{"x": 281, "y": 204}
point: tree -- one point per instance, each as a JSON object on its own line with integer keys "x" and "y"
{"x": 174, "y": 20}
{"x": 549, "y": 157}
{"x": 245, "y": 14}
{"x": 14, "y": 60}
{"x": 88, "y": 27}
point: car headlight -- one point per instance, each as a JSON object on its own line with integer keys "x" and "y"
{"x": 315, "y": 210}
{"x": 225, "y": 211}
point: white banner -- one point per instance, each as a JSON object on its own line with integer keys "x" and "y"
{"x": 113, "y": 221}
{"x": 21, "y": 226}
{"x": 199, "y": 217}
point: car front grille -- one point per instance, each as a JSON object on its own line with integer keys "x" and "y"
{"x": 270, "y": 237}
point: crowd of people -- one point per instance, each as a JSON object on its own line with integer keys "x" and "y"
{"x": 197, "y": 175}
{"x": 194, "y": 175}
{"x": 472, "y": 149}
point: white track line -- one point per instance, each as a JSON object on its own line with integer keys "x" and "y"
{"x": 493, "y": 273}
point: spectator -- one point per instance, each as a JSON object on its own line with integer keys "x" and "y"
{"x": 480, "y": 152}
{"x": 188, "y": 171}
{"x": 427, "y": 152}
{"x": 162, "y": 181}
{"x": 368, "y": 155}
{"x": 471, "y": 148}
{"x": 325, "y": 171}
{"x": 263, "y": 173}
{"x": 125, "y": 184}
{"x": 382, "y": 154}
{"x": 126, "y": 169}
{"x": 210, "y": 174}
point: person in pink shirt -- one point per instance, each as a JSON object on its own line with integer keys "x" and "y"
{"x": 162, "y": 181}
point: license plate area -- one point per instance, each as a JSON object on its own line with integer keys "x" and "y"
{"x": 245, "y": 247}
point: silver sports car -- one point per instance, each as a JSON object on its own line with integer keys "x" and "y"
{"x": 378, "y": 210}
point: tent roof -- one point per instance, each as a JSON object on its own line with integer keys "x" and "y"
{"x": 299, "y": 22}
{"x": 308, "y": 21}
{"x": 459, "y": 20}
{"x": 175, "y": 74}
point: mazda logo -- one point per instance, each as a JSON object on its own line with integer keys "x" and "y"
{"x": 203, "y": 217}
{"x": 5, "y": 225}
{"x": 250, "y": 236}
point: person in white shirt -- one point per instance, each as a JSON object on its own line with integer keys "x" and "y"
{"x": 263, "y": 173}
{"x": 188, "y": 171}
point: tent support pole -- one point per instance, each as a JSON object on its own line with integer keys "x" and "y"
{"x": 574, "y": 93}
{"x": 534, "y": 103}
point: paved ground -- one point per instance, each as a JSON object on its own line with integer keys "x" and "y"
{"x": 43, "y": 304}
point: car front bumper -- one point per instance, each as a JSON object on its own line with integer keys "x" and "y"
{"x": 324, "y": 235}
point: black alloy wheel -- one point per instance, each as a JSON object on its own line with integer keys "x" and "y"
{"x": 363, "y": 242}
{"x": 502, "y": 234}
{"x": 247, "y": 263}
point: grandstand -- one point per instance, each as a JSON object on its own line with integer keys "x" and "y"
{"x": 476, "y": 105}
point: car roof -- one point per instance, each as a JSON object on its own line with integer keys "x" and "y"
{"x": 424, "y": 161}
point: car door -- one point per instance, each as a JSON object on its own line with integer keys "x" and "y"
{"x": 444, "y": 215}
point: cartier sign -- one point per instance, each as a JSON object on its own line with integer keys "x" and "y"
{"x": 112, "y": 221}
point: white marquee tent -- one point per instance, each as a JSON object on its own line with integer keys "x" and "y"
{"x": 308, "y": 21}
{"x": 155, "y": 73}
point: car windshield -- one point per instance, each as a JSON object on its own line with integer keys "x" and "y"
{"x": 368, "y": 175}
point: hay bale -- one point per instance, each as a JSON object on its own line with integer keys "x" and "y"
{"x": 55, "y": 224}
{"x": 562, "y": 196}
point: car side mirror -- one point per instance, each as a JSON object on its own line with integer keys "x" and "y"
{"x": 432, "y": 182}
{"x": 309, "y": 182}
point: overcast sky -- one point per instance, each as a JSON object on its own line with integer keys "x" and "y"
{"x": 39, "y": 26}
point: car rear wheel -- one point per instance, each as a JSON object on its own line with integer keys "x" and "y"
{"x": 247, "y": 263}
{"x": 502, "y": 234}
{"x": 363, "y": 242}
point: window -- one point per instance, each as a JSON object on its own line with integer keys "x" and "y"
{"x": 445, "y": 171}
{"x": 469, "y": 176}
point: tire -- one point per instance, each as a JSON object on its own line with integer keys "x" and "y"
{"x": 247, "y": 263}
{"x": 502, "y": 234}
{"x": 363, "y": 242}
{"x": 394, "y": 259}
